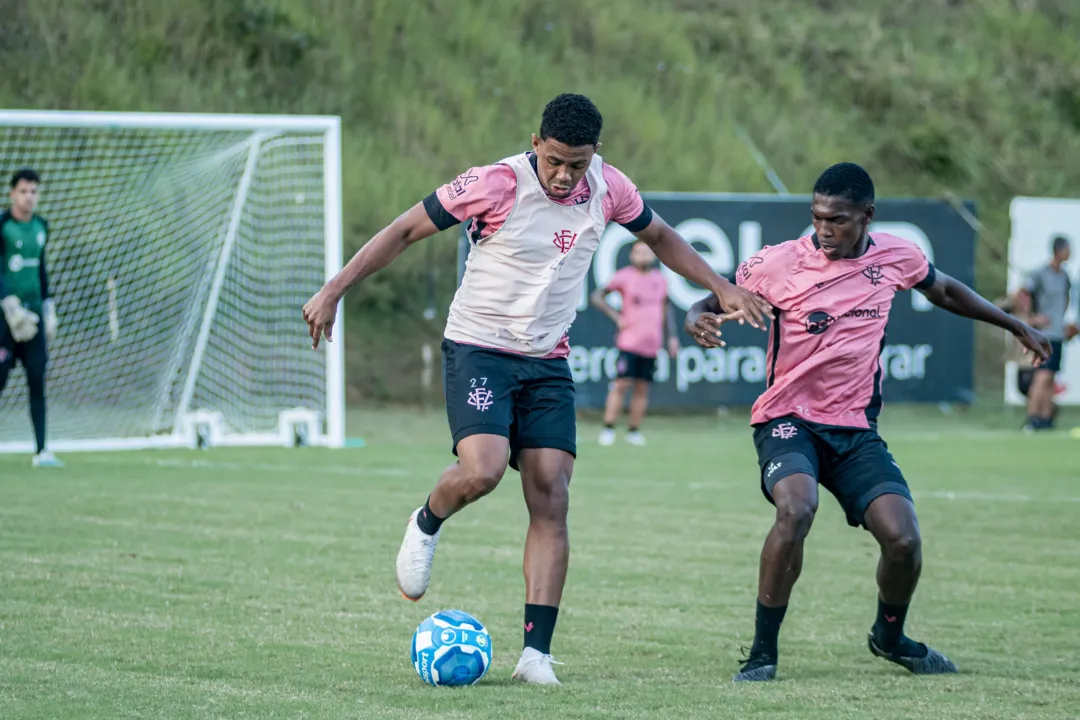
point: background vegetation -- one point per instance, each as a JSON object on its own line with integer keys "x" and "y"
{"x": 980, "y": 99}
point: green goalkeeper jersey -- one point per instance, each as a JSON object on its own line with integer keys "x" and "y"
{"x": 22, "y": 253}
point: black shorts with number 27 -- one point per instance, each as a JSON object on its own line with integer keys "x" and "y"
{"x": 854, "y": 464}
{"x": 528, "y": 400}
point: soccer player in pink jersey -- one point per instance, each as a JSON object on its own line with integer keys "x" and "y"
{"x": 641, "y": 324}
{"x": 816, "y": 423}
{"x": 536, "y": 220}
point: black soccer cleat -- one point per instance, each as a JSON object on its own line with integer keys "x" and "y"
{"x": 759, "y": 667}
{"x": 931, "y": 663}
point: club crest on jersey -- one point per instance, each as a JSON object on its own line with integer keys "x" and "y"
{"x": 41, "y": 238}
{"x": 564, "y": 240}
{"x": 873, "y": 273}
{"x": 785, "y": 431}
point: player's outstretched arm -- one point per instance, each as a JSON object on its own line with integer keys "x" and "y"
{"x": 677, "y": 254}
{"x": 956, "y": 297}
{"x": 321, "y": 310}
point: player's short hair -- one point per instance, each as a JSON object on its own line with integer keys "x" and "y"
{"x": 572, "y": 120}
{"x": 25, "y": 174}
{"x": 849, "y": 181}
{"x": 1059, "y": 243}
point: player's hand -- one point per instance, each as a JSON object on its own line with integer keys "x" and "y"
{"x": 673, "y": 347}
{"x": 743, "y": 306}
{"x": 1034, "y": 342}
{"x": 704, "y": 327}
{"x": 1071, "y": 331}
{"x": 22, "y": 323}
{"x": 319, "y": 314}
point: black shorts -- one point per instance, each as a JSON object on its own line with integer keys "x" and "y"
{"x": 33, "y": 354}
{"x": 855, "y": 465}
{"x": 1053, "y": 363}
{"x": 528, "y": 400}
{"x": 1023, "y": 380}
{"x": 637, "y": 367}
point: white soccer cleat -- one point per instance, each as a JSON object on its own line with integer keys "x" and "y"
{"x": 607, "y": 437}
{"x": 534, "y": 668}
{"x": 635, "y": 438}
{"x": 414, "y": 559}
{"x": 46, "y": 459}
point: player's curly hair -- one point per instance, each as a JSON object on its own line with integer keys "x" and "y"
{"x": 572, "y": 120}
{"x": 849, "y": 181}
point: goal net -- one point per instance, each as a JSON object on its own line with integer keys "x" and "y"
{"x": 181, "y": 250}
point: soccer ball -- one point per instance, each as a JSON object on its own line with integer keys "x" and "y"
{"x": 451, "y": 648}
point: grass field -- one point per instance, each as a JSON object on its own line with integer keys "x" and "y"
{"x": 259, "y": 584}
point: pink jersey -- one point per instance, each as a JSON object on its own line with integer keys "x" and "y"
{"x": 644, "y": 298}
{"x": 826, "y": 339}
{"x": 486, "y": 196}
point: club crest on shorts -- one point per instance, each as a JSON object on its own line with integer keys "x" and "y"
{"x": 785, "y": 431}
{"x": 481, "y": 398}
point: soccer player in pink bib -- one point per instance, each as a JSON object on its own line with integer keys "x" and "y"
{"x": 645, "y": 314}
{"x": 816, "y": 423}
{"x": 536, "y": 219}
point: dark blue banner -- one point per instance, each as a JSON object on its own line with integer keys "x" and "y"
{"x": 929, "y": 355}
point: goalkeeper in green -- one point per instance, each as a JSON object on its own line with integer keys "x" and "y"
{"x": 29, "y": 318}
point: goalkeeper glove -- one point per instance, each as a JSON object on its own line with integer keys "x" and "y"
{"x": 22, "y": 323}
{"x": 49, "y": 311}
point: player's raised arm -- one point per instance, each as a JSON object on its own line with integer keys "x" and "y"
{"x": 956, "y": 297}
{"x": 410, "y": 227}
{"x": 677, "y": 254}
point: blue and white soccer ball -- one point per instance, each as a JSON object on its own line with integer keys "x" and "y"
{"x": 451, "y": 648}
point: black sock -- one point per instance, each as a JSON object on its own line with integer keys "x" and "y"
{"x": 37, "y": 410}
{"x": 767, "y": 630}
{"x": 609, "y": 426}
{"x": 889, "y": 626}
{"x": 539, "y": 626}
{"x": 428, "y": 522}
{"x": 632, "y": 428}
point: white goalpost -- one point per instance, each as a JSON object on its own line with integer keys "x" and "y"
{"x": 181, "y": 250}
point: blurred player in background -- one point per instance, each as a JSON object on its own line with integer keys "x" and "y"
{"x": 1019, "y": 306}
{"x": 645, "y": 313}
{"x": 1047, "y": 292}
{"x": 29, "y": 323}
{"x": 537, "y": 219}
{"x": 816, "y": 423}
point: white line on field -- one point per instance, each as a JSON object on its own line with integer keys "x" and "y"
{"x": 991, "y": 497}
{"x": 920, "y": 436}
{"x": 267, "y": 467}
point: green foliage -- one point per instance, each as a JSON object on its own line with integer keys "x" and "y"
{"x": 978, "y": 100}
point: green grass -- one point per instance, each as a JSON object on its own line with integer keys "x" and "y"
{"x": 259, "y": 584}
